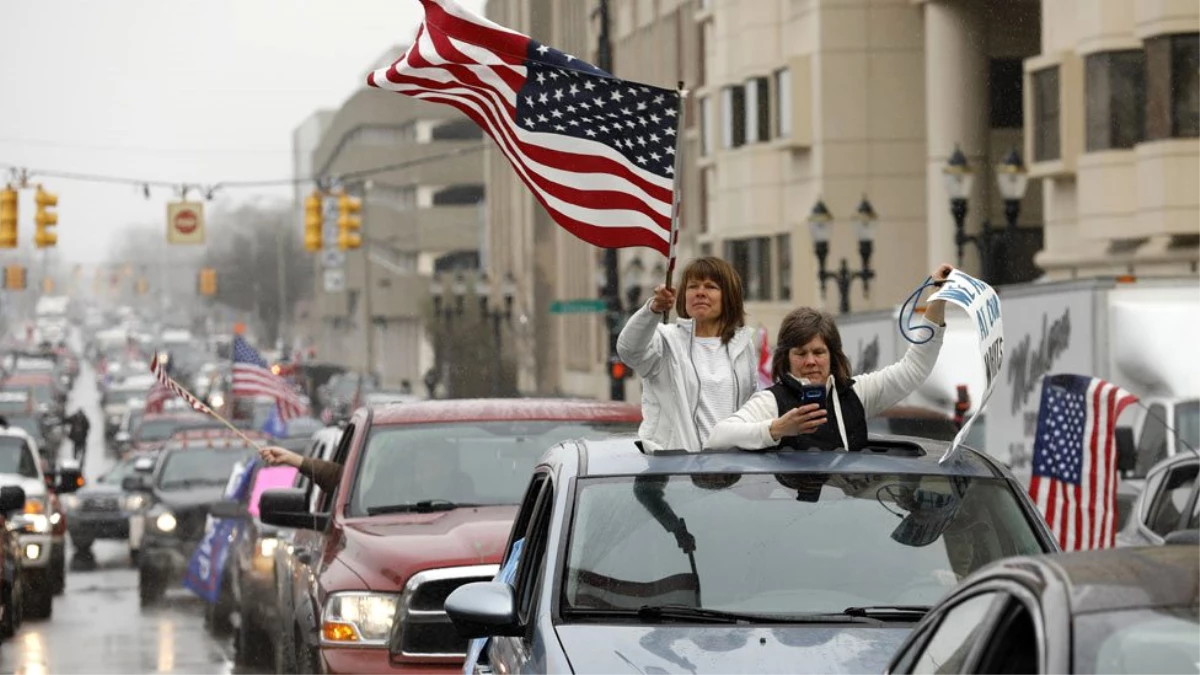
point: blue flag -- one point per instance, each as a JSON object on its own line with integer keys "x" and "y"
{"x": 274, "y": 426}
{"x": 507, "y": 574}
{"x": 203, "y": 575}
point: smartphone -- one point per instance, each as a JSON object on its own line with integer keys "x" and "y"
{"x": 812, "y": 393}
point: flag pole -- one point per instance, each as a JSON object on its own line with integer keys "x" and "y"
{"x": 196, "y": 403}
{"x": 676, "y": 197}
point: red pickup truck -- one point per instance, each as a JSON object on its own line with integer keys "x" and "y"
{"x": 426, "y": 498}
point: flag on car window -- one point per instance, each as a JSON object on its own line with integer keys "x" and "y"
{"x": 274, "y": 426}
{"x": 597, "y": 152}
{"x": 1074, "y": 481}
{"x": 204, "y": 570}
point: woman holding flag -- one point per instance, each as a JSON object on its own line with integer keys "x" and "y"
{"x": 809, "y": 361}
{"x": 698, "y": 370}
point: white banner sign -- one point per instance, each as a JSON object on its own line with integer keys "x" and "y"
{"x": 982, "y": 304}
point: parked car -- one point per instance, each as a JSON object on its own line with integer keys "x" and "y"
{"x": 719, "y": 562}
{"x": 12, "y": 578}
{"x": 1129, "y": 610}
{"x": 427, "y": 495}
{"x": 1166, "y": 504}
{"x": 191, "y": 473}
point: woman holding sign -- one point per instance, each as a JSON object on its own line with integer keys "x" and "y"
{"x": 813, "y": 384}
{"x": 698, "y": 370}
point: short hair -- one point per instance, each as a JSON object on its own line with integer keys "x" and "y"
{"x": 798, "y": 328}
{"x": 733, "y": 308}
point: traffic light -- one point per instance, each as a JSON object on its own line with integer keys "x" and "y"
{"x": 14, "y": 278}
{"x": 45, "y": 219}
{"x": 8, "y": 218}
{"x": 348, "y": 222}
{"x": 618, "y": 370}
{"x": 314, "y": 223}
{"x": 208, "y": 281}
{"x": 48, "y": 285}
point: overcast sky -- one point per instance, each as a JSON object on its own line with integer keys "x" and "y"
{"x": 182, "y": 91}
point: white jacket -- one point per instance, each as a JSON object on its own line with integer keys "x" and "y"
{"x": 662, "y": 355}
{"x": 750, "y": 427}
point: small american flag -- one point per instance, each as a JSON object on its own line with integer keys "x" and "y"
{"x": 157, "y": 399}
{"x": 597, "y": 152}
{"x": 173, "y": 388}
{"x": 1074, "y": 480}
{"x": 252, "y": 377}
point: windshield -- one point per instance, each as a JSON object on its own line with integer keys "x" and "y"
{"x": 14, "y": 400}
{"x": 189, "y": 468}
{"x": 118, "y": 473}
{"x": 778, "y": 543}
{"x": 158, "y": 430}
{"x": 29, "y": 425}
{"x": 1160, "y": 640}
{"x": 1187, "y": 421}
{"x": 16, "y": 458}
{"x": 123, "y": 396}
{"x": 462, "y": 462}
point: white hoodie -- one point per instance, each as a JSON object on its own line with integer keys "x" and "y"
{"x": 750, "y": 427}
{"x": 662, "y": 355}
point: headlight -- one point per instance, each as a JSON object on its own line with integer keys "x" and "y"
{"x": 358, "y": 617}
{"x": 135, "y": 502}
{"x": 70, "y": 502}
{"x": 217, "y": 401}
{"x": 165, "y": 522}
{"x": 266, "y": 547}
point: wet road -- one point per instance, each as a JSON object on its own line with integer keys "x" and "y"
{"x": 98, "y": 625}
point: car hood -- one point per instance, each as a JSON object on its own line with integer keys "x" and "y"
{"x": 730, "y": 649}
{"x": 187, "y": 499}
{"x": 32, "y": 486}
{"x": 386, "y": 550}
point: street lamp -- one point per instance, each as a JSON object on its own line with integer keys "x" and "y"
{"x": 820, "y": 223}
{"x": 1011, "y": 178}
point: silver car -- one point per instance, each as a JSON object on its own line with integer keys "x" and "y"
{"x": 1167, "y": 504}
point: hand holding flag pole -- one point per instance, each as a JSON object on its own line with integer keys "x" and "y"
{"x": 165, "y": 380}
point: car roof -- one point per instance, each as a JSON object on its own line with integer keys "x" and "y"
{"x": 884, "y": 454}
{"x": 503, "y": 409}
{"x": 1108, "y": 580}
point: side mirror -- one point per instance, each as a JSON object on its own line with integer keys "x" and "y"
{"x": 12, "y": 498}
{"x": 70, "y": 479}
{"x": 144, "y": 465}
{"x": 227, "y": 508}
{"x": 136, "y": 483}
{"x": 288, "y": 507}
{"x": 483, "y": 609}
{"x": 1126, "y": 450}
{"x": 1184, "y": 537}
{"x": 122, "y": 437}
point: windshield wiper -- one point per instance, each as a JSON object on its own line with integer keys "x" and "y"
{"x": 423, "y": 506}
{"x": 657, "y": 613}
{"x": 886, "y": 612}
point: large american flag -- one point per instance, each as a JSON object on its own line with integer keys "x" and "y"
{"x": 252, "y": 377}
{"x": 1074, "y": 480}
{"x": 596, "y": 151}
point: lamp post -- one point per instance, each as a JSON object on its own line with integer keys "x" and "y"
{"x": 445, "y": 313}
{"x": 820, "y": 223}
{"x": 1011, "y": 178}
{"x": 496, "y": 315}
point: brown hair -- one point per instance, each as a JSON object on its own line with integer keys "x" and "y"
{"x": 733, "y": 310}
{"x": 799, "y": 327}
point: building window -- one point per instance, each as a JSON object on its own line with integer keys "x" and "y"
{"x": 457, "y": 130}
{"x": 783, "y": 252}
{"x": 783, "y": 103}
{"x": 708, "y": 186}
{"x": 706, "y": 124}
{"x": 1005, "y": 80}
{"x": 758, "y": 110}
{"x": 458, "y": 195}
{"x": 1173, "y": 86}
{"x": 752, "y": 260}
{"x": 1046, "y": 115}
{"x": 733, "y": 116}
{"x": 1116, "y": 99}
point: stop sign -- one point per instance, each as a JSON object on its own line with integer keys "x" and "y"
{"x": 186, "y": 221}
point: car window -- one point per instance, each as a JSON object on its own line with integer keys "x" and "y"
{"x": 117, "y": 474}
{"x": 950, "y": 645}
{"x": 16, "y": 457}
{"x": 735, "y": 541}
{"x": 1170, "y": 501}
{"x": 1160, "y": 640}
{"x": 324, "y": 501}
{"x": 1146, "y": 496}
{"x": 533, "y": 557}
{"x": 1194, "y": 520}
{"x": 1012, "y": 646}
{"x": 1187, "y": 421}
{"x": 462, "y": 462}
{"x": 1152, "y": 446}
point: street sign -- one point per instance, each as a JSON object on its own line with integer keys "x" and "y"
{"x": 185, "y": 222}
{"x": 335, "y": 280}
{"x": 581, "y": 306}
{"x": 332, "y": 257}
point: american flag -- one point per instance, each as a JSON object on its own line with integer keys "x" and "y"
{"x": 157, "y": 399}
{"x": 1074, "y": 480}
{"x": 597, "y": 152}
{"x": 252, "y": 377}
{"x": 172, "y": 388}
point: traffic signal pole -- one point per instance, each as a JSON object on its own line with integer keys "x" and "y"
{"x": 612, "y": 281}
{"x": 367, "y": 284}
